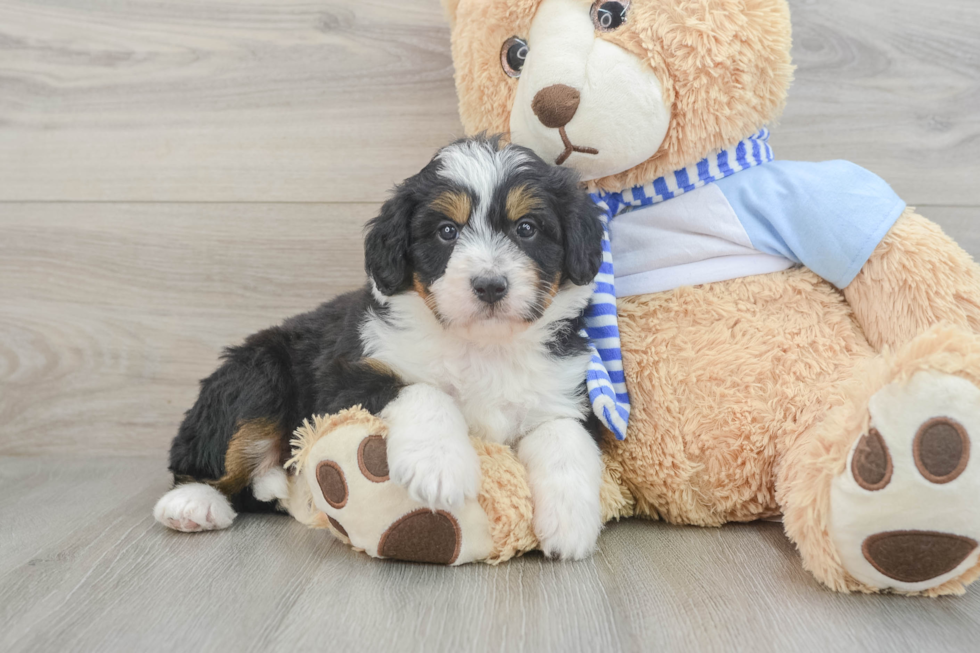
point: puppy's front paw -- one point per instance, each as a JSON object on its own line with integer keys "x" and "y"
{"x": 567, "y": 521}
{"x": 437, "y": 472}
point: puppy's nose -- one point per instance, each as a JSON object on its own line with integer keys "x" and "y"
{"x": 555, "y": 105}
{"x": 490, "y": 289}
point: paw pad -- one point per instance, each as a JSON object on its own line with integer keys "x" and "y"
{"x": 372, "y": 458}
{"x": 872, "y": 465}
{"x": 942, "y": 450}
{"x": 332, "y": 483}
{"x": 423, "y": 536}
{"x": 916, "y": 556}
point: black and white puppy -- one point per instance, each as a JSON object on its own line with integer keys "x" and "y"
{"x": 480, "y": 267}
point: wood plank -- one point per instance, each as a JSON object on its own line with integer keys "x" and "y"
{"x": 209, "y": 100}
{"x": 961, "y": 224}
{"x": 893, "y": 87}
{"x": 110, "y": 579}
{"x": 110, "y": 313}
{"x": 257, "y": 100}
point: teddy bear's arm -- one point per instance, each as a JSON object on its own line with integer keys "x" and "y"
{"x": 917, "y": 277}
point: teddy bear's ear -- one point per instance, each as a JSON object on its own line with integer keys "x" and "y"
{"x": 450, "y": 7}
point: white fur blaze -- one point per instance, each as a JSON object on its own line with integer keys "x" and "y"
{"x": 564, "y": 468}
{"x": 193, "y": 508}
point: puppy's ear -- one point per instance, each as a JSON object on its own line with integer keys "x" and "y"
{"x": 581, "y": 227}
{"x": 386, "y": 246}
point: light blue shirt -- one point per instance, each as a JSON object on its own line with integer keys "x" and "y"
{"x": 829, "y": 217}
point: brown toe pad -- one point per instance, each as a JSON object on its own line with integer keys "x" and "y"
{"x": 372, "y": 458}
{"x": 872, "y": 464}
{"x": 423, "y": 536}
{"x": 333, "y": 484}
{"x": 916, "y": 556}
{"x": 340, "y": 528}
{"x": 942, "y": 450}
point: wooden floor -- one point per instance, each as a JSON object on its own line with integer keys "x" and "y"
{"x": 175, "y": 175}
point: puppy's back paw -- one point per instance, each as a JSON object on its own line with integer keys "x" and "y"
{"x": 271, "y": 486}
{"x": 194, "y": 507}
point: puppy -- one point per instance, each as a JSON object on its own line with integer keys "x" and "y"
{"x": 480, "y": 267}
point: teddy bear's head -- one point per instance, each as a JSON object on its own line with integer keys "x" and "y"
{"x": 626, "y": 91}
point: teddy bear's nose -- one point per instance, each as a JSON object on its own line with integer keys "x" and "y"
{"x": 555, "y": 105}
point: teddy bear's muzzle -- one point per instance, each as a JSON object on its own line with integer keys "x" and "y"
{"x": 555, "y": 106}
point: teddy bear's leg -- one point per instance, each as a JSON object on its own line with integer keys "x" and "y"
{"x": 342, "y": 484}
{"x": 882, "y": 494}
{"x": 916, "y": 278}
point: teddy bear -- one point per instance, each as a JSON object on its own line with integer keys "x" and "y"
{"x": 771, "y": 339}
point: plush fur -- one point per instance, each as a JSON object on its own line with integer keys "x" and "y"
{"x": 749, "y": 396}
{"x": 918, "y": 277}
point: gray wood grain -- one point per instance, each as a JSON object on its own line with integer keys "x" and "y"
{"x": 264, "y": 100}
{"x": 208, "y": 100}
{"x": 109, "y": 314}
{"x": 892, "y": 85}
{"x": 86, "y": 569}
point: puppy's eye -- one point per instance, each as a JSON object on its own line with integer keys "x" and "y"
{"x": 448, "y": 232}
{"x": 512, "y": 56}
{"x": 526, "y": 229}
{"x": 609, "y": 16}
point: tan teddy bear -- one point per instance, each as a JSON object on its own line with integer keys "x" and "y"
{"x": 791, "y": 339}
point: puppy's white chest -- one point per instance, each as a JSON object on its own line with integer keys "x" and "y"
{"x": 495, "y": 393}
{"x": 502, "y": 392}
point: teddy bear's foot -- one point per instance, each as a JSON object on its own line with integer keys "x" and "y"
{"x": 343, "y": 471}
{"x": 905, "y": 515}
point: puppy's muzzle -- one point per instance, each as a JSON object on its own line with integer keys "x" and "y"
{"x": 490, "y": 290}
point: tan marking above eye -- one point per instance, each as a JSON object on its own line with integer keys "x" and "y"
{"x": 520, "y": 202}
{"x": 941, "y": 450}
{"x": 872, "y": 464}
{"x": 456, "y": 206}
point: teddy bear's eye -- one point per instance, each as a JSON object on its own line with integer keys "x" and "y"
{"x": 609, "y": 16}
{"x": 512, "y": 56}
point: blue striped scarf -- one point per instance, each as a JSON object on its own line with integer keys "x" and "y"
{"x": 606, "y": 380}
